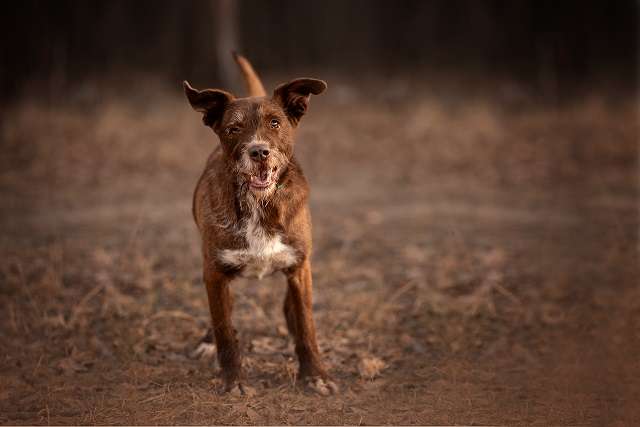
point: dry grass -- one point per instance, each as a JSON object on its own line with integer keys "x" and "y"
{"x": 476, "y": 261}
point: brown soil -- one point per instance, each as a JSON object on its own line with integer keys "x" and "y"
{"x": 475, "y": 262}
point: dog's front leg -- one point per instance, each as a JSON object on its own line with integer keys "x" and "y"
{"x": 220, "y": 305}
{"x": 298, "y": 313}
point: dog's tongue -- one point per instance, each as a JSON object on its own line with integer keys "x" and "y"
{"x": 264, "y": 175}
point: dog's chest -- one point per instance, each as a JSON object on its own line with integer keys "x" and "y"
{"x": 265, "y": 253}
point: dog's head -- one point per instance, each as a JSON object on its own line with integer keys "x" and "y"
{"x": 256, "y": 133}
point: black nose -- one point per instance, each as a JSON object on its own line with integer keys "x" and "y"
{"x": 259, "y": 152}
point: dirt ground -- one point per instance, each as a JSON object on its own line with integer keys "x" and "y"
{"x": 475, "y": 261}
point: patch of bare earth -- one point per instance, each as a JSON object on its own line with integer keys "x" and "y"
{"x": 474, "y": 263}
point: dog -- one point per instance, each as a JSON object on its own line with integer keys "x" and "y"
{"x": 250, "y": 206}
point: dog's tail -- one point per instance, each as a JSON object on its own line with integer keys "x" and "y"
{"x": 251, "y": 79}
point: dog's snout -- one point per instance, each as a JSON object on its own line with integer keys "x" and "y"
{"x": 259, "y": 152}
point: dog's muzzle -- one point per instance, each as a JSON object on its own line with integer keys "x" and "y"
{"x": 263, "y": 178}
{"x": 261, "y": 165}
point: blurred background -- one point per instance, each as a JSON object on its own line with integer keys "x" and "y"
{"x": 474, "y": 175}
{"x": 551, "y": 46}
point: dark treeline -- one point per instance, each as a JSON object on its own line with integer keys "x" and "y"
{"x": 573, "y": 41}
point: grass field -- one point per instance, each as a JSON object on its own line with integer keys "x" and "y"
{"x": 475, "y": 261}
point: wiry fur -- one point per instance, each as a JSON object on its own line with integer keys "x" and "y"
{"x": 251, "y": 209}
{"x": 264, "y": 254}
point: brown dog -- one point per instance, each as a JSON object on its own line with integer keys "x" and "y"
{"x": 250, "y": 206}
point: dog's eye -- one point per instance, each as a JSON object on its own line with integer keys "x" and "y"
{"x": 275, "y": 124}
{"x": 232, "y": 130}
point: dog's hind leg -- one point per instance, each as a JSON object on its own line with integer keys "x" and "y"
{"x": 297, "y": 309}
{"x": 206, "y": 347}
{"x": 289, "y": 314}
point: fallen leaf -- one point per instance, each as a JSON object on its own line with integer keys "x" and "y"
{"x": 370, "y": 367}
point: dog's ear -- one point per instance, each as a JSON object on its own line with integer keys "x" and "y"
{"x": 210, "y": 102}
{"x": 294, "y": 96}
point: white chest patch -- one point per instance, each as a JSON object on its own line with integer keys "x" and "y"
{"x": 264, "y": 254}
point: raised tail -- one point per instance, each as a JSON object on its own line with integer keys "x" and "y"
{"x": 251, "y": 79}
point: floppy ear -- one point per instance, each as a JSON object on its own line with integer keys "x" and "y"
{"x": 294, "y": 96}
{"x": 210, "y": 102}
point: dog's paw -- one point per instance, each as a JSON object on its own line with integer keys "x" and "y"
{"x": 233, "y": 388}
{"x": 240, "y": 389}
{"x": 204, "y": 351}
{"x": 321, "y": 386}
{"x": 237, "y": 389}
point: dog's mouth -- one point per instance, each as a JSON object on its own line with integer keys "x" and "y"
{"x": 263, "y": 178}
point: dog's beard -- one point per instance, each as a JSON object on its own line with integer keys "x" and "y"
{"x": 258, "y": 180}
